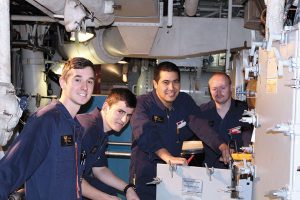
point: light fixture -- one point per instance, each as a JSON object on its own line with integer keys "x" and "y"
{"x": 124, "y": 78}
{"x": 82, "y": 36}
{"x": 125, "y": 73}
{"x": 122, "y": 62}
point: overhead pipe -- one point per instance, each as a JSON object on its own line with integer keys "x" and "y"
{"x": 32, "y": 18}
{"x": 99, "y": 9}
{"x": 275, "y": 16}
{"x": 49, "y": 7}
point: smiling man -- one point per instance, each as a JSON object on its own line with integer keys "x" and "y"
{"x": 162, "y": 120}
{"x": 114, "y": 116}
{"x": 44, "y": 156}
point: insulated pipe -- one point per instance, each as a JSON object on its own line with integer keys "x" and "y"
{"x": 190, "y": 7}
{"x": 55, "y": 6}
{"x": 34, "y": 66}
{"x": 10, "y": 111}
{"x": 34, "y": 78}
{"x": 275, "y": 15}
{"x": 32, "y": 18}
{"x": 5, "y": 75}
{"x": 97, "y": 7}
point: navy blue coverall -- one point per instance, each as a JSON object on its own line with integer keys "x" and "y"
{"x": 240, "y": 132}
{"x": 94, "y": 145}
{"x": 45, "y": 157}
{"x": 155, "y": 127}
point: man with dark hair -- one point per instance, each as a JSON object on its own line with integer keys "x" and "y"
{"x": 98, "y": 124}
{"x": 163, "y": 119}
{"x": 44, "y": 156}
{"x": 223, "y": 114}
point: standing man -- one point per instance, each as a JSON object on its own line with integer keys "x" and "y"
{"x": 223, "y": 114}
{"x": 98, "y": 124}
{"x": 44, "y": 156}
{"x": 161, "y": 122}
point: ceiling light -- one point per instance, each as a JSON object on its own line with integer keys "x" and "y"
{"x": 82, "y": 36}
{"x": 122, "y": 62}
{"x": 124, "y": 78}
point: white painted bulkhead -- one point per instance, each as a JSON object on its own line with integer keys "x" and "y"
{"x": 277, "y": 151}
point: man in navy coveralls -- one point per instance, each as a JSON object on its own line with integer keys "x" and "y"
{"x": 98, "y": 124}
{"x": 162, "y": 120}
{"x": 45, "y": 156}
{"x": 224, "y": 114}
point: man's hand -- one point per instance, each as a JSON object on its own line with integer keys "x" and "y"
{"x": 131, "y": 194}
{"x": 169, "y": 159}
{"x": 226, "y": 157}
{"x": 177, "y": 161}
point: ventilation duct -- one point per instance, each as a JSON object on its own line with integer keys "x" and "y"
{"x": 188, "y": 36}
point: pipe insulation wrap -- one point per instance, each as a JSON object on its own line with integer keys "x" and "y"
{"x": 33, "y": 63}
{"x": 5, "y": 75}
{"x": 275, "y": 15}
{"x": 97, "y": 7}
{"x": 10, "y": 112}
{"x": 190, "y": 7}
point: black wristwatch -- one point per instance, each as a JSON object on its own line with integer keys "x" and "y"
{"x": 130, "y": 185}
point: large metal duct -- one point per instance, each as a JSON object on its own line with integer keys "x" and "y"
{"x": 188, "y": 36}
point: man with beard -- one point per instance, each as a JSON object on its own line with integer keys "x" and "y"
{"x": 223, "y": 114}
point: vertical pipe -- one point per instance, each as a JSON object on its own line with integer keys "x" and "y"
{"x": 295, "y": 138}
{"x": 275, "y": 13}
{"x": 191, "y": 7}
{"x": 5, "y": 75}
{"x": 170, "y": 13}
{"x": 34, "y": 78}
{"x": 228, "y": 35}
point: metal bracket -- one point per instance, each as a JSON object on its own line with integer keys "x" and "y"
{"x": 155, "y": 181}
{"x": 274, "y": 37}
{"x": 209, "y": 171}
{"x": 253, "y": 65}
{"x": 295, "y": 85}
{"x": 292, "y": 63}
{"x": 249, "y": 116}
{"x": 282, "y": 193}
{"x": 285, "y": 128}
